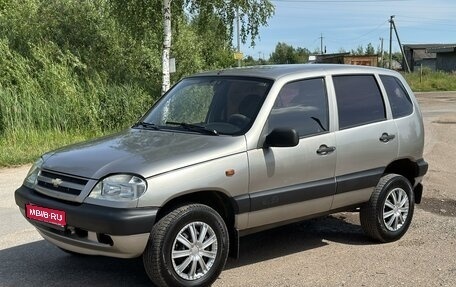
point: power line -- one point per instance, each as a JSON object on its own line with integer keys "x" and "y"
{"x": 433, "y": 23}
{"x": 426, "y": 18}
{"x": 366, "y": 33}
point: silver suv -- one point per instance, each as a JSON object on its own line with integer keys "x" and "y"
{"x": 231, "y": 152}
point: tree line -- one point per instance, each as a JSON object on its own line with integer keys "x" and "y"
{"x": 288, "y": 54}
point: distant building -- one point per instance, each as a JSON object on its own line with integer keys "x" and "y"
{"x": 346, "y": 58}
{"x": 434, "y": 56}
{"x": 445, "y": 58}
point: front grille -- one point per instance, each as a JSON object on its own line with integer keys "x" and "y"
{"x": 50, "y": 183}
{"x": 63, "y": 189}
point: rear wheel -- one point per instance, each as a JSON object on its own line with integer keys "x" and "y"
{"x": 187, "y": 247}
{"x": 388, "y": 214}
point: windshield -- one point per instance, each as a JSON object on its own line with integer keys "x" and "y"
{"x": 210, "y": 105}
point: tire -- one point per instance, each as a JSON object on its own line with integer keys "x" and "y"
{"x": 388, "y": 214}
{"x": 173, "y": 235}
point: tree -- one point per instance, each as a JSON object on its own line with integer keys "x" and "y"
{"x": 284, "y": 54}
{"x": 144, "y": 18}
{"x": 166, "y": 82}
{"x": 359, "y": 50}
{"x": 370, "y": 49}
{"x": 287, "y": 54}
{"x": 253, "y": 14}
{"x": 302, "y": 55}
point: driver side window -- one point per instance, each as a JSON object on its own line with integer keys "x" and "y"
{"x": 303, "y": 106}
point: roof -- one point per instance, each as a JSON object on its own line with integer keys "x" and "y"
{"x": 333, "y": 55}
{"x": 278, "y": 71}
{"x": 426, "y": 46}
{"x": 443, "y": 49}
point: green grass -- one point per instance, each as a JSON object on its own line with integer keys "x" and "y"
{"x": 431, "y": 81}
{"x": 47, "y": 101}
{"x": 26, "y": 147}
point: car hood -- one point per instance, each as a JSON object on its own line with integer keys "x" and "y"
{"x": 143, "y": 152}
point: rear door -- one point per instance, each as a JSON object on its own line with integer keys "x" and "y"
{"x": 366, "y": 140}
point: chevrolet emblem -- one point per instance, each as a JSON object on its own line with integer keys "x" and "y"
{"x": 56, "y": 182}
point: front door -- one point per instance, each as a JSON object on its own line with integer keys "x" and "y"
{"x": 287, "y": 183}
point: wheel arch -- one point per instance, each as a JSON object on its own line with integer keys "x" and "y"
{"x": 217, "y": 200}
{"x": 404, "y": 167}
{"x": 226, "y": 206}
{"x": 410, "y": 170}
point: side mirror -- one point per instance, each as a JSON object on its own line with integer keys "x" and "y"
{"x": 282, "y": 137}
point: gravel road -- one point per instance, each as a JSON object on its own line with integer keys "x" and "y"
{"x": 329, "y": 251}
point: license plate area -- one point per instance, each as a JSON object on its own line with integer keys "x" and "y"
{"x": 47, "y": 215}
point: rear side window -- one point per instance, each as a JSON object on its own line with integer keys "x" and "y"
{"x": 400, "y": 102}
{"x": 359, "y": 100}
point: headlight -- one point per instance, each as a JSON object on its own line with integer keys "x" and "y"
{"x": 120, "y": 187}
{"x": 32, "y": 176}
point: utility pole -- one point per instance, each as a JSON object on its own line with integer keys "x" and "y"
{"x": 400, "y": 46}
{"x": 391, "y": 42}
{"x": 381, "y": 52}
{"x": 321, "y": 43}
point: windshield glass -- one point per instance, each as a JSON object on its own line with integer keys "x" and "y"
{"x": 210, "y": 105}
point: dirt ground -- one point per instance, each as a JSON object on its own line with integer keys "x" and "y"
{"x": 329, "y": 251}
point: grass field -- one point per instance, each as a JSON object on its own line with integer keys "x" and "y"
{"x": 430, "y": 81}
{"x": 26, "y": 147}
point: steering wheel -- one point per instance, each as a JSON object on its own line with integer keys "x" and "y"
{"x": 238, "y": 120}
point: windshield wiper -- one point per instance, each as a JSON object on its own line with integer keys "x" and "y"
{"x": 194, "y": 128}
{"x": 146, "y": 125}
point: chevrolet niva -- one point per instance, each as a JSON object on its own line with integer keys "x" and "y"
{"x": 231, "y": 152}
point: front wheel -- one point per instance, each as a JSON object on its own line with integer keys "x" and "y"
{"x": 388, "y": 214}
{"x": 187, "y": 247}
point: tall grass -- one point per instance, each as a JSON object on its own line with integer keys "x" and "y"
{"x": 49, "y": 99}
{"x": 26, "y": 146}
{"x": 78, "y": 68}
{"x": 428, "y": 80}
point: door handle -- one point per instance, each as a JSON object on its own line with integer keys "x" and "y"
{"x": 324, "y": 149}
{"x": 386, "y": 137}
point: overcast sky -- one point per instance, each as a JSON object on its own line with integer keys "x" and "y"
{"x": 346, "y": 24}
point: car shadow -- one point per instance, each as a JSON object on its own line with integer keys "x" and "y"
{"x": 298, "y": 237}
{"x": 40, "y": 263}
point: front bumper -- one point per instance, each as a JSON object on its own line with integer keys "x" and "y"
{"x": 93, "y": 229}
